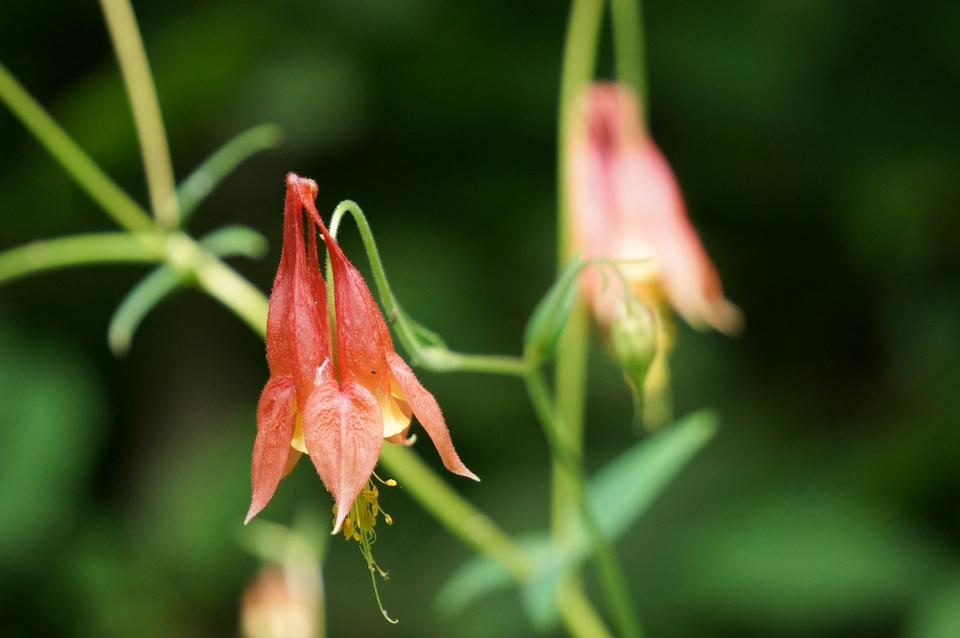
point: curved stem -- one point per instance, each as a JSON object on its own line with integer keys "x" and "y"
{"x": 433, "y": 358}
{"x": 85, "y": 172}
{"x": 80, "y": 250}
{"x": 611, "y": 577}
{"x": 201, "y": 182}
{"x": 146, "y": 110}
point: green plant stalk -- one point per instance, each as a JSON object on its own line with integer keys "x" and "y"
{"x": 579, "y": 60}
{"x": 576, "y": 611}
{"x": 128, "y": 44}
{"x": 165, "y": 280}
{"x": 85, "y": 172}
{"x": 628, "y": 42}
{"x": 219, "y": 280}
{"x": 454, "y": 512}
{"x": 611, "y": 576}
{"x": 80, "y": 250}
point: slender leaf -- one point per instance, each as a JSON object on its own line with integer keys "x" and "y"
{"x": 549, "y": 318}
{"x": 166, "y": 279}
{"x": 205, "y": 178}
{"x": 74, "y": 160}
{"x": 620, "y": 494}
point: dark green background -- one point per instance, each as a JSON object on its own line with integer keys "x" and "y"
{"x": 818, "y": 144}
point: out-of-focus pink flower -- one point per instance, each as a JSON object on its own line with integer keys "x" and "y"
{"x": 625, "y": 204}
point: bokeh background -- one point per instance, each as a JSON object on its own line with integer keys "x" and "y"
{"x": 818, "y": 144}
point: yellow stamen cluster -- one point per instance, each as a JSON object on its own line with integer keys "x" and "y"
{"x": 362, "y": 519}
{"x": 359, "y": 526}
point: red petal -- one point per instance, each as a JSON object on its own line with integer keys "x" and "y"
{"x": 428, "y": 413}
{"x": 297, "y": 340}
{"x": 276, "y": 419}
{"x": 361, "y": 329}
{"x": 343, "y": 431}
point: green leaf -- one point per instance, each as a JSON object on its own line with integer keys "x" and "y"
{"x": 620, "y": 494}
{"x": 201, "y": 182}
{"x": 166, "y": 280}
{"x": 938, "y": 613}
{"x": 549, "y": 318}
{"x": 623, "y": 490}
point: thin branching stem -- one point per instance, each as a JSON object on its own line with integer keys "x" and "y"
{"x": 80, "y": 250}
{"x": 128, "y": 44}
{"x": 85, "y": 172}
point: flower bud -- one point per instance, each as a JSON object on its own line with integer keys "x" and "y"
{"x": 634, "y": 344}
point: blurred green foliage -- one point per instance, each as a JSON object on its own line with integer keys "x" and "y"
{"x": 817, "y": 143}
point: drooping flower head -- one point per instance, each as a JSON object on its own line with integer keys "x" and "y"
{"x": 337, "y": 411}
{"x": 626, "y": 204}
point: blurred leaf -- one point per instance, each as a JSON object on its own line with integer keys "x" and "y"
{"x": 190, "y": 503}
{"x": 549, "y": 318}
{"x": 116, "y": 592}
{"x": 938, "y": 613}
{"x": 620, "y": 493}
{"x": 623, "y": 490}
{"x": 201, "y": 182}
{"x": 52, "y": 425}
{"x": 815, "y": 559}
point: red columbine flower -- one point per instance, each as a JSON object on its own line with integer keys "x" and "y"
{"x": 626, "y": 204}
{"x": 337, "y": 412}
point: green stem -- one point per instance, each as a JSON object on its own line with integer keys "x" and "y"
{"x": 576, "y": 611}
{"x": 80, "y": 250}
{"x": 611, "y": 577}
{"x": 454, "y": 512}
{"x": 165, "y": 279}
{"x": 220, "y": 281}
{"x": 145, "y": 105}
{"x": 116, "y": 203}
{"x": 628, "y": 41}
{"x": 433, "y": 358}
{"x": 579, "y": 60}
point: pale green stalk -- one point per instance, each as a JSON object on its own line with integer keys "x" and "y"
{"x": 579, "y": 59}
{"x": 628, "y": 40}
{"x": 220, "y": 281}
{"x": 85, "y": 172}
{"x": 80, "y": 250}
{"x": 454, "y": 512}
{"x": 201, "y": 182}
{"x": 145, "y": 106}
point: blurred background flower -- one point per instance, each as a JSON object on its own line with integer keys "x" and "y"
{"x": 817, "y": 147}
